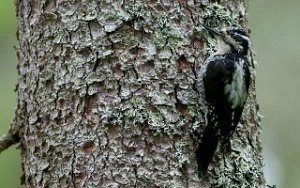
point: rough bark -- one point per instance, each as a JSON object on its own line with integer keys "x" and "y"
{"x": 108, "y": 97}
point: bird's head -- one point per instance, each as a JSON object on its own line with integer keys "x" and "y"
{"x": 236, "y": 38}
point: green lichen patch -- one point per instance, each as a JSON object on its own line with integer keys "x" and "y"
{"x": 217, "y": 14}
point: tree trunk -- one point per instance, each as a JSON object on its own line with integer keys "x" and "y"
{"x": 108, "y": 97}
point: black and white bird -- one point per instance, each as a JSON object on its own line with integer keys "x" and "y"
{"x": 224, "y": 79}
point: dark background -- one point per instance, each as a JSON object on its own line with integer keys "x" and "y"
{"x": 275, "y": 38}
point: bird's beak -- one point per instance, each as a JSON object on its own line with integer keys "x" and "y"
{"x": 213, "y": 31}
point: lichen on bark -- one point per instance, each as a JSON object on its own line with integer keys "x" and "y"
{"x": 107, "y": 95}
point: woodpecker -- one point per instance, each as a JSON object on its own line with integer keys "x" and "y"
{"x": 225, "y": 79}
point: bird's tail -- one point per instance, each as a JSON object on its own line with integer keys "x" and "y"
{"x": 206, "y": 149}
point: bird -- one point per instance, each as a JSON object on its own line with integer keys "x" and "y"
{"x": 224, "y": 79}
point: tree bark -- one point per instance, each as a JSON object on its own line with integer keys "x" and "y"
{"x": 108, "y": 97}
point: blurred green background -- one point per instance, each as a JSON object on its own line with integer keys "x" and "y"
{"x": 10, "y": 160}
{"x": 275, "y": 38}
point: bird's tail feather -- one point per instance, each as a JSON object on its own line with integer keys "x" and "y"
{"x": 206, "y": 149}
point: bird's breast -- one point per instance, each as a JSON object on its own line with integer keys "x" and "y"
{"x": 235, "y": 91}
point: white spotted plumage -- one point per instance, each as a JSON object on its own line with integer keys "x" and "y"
{"x": 224, "y": 81}
{"x": 236, "y": 90}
